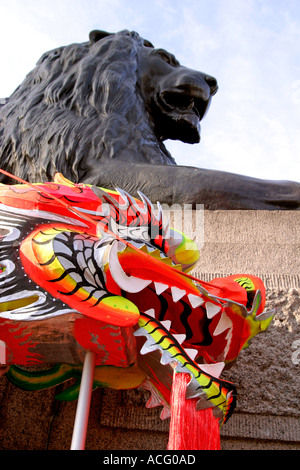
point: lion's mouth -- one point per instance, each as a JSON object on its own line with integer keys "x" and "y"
{"x": 186, "y": 111}
{"x": 184, "y": 103}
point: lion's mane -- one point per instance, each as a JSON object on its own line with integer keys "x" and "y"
{"x": 80, "y": 106}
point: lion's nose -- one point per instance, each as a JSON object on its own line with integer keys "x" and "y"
{"x": 197, "y": 84}
{"x": 212, "y": 83}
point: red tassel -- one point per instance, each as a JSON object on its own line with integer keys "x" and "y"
{"x": 191, "y": 429}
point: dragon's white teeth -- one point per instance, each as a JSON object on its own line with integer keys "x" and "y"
{"x": 139, "y": 332}
{"x": 148, "y": 347}
{"x": 212, "y": 309}
{"x": 179, "y": 338}
{"x": 153, "y": 402}
{"x": 213, "y": 369}
{"x": 156, "y": 399}
{"x": 203, "y": 404}
{"x": 266, "y": 314}
{"x": 166, "y": 413}
{"x": 177, "y": 293}
{"x": 128, "y": 283}
{"x": 218, "y": 414}
{"x": 180, "y": 367}
{"x": 223, "y": 325}
{"x": 160, "y": 288}
{"x": 195, "y": 300}
{"x": 166, "y": 324}
{"x": 192, "y": 353}
{"x": 166, "y": 358}
{"x": 150, "y": 312}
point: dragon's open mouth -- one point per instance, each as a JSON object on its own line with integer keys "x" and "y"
{"x": 179, "y": 304}
{"x": 176, "y": 321}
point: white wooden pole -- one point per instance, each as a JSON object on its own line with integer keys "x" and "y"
{"x": 84, "y": 401}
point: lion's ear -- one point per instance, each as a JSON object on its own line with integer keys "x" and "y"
{"x": 96, "y": 35}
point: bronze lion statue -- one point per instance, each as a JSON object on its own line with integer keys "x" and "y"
{"x": 98, "y": 112}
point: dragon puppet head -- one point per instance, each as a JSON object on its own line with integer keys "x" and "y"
{"x": 84, "y": 268}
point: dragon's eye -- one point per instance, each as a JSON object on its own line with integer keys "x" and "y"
{"x": 161, "y": 243}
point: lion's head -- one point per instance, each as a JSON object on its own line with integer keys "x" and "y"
{"x": 177, "y": 98}
{"x": 114, "y": 97}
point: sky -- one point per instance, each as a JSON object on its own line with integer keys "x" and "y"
{"x": 252, "y": 47}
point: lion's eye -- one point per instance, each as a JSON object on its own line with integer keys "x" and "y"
{"x": 165, "y": 57}
{"x": 169, "y": 58}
